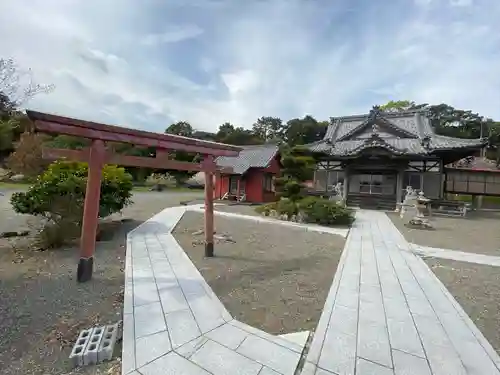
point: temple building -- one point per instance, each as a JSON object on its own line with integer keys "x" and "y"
{"x": 377, "y": 155}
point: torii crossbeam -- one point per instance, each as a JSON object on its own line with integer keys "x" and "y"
{"x": 97, "y": 155}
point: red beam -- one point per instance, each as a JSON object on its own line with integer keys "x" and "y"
{"x": 50, "y": 127}
{"x": 87, "y": 129}
{"x": 129, "y": 161}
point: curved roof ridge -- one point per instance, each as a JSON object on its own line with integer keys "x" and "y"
{"x": 383, "y": 113}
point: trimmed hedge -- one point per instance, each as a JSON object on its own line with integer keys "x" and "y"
{"x": 312, "y": 210}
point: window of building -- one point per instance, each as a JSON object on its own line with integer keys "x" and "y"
{"x": 320, "y": 180}
{"x": 334, "y": 177}
{"x": 412, "y": 179}
{"x": 268, "y": 182}
{"x": 233, "y": 184}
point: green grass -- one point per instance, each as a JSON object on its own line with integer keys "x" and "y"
{"x": 14, "y": 185}
{"x": 468, "y": 198}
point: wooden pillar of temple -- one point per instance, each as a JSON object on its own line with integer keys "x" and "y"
{"x": 238, "y": 187}
{"x": 209, "y": 205}
{"x": 91, "y": 211}
{"x": 219, "y": 177}
{"x": 345, "y": 191}
{"x": 399, "y": 186}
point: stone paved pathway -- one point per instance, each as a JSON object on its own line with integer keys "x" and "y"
{"x": 388, "y": 314}
{"x": 174, "y": 323}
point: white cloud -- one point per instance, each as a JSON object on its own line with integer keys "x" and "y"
{"x": 240, "y": 82}
{"x": 173, "y": 35}
{"x": 461, "y": 3}
{"x": 117, "y": 62}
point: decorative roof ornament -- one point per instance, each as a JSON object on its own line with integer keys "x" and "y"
{"x": 426, "y": 142}
{"x": 375, "y": 141}
{"x": 374, "y": 113}
{"x": 375, "y": 128}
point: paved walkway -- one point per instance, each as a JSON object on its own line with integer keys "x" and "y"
{"x": 173, "y": 322}
{"x": 388, "y": 314}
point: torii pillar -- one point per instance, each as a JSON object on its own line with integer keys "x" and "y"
{"x": 209, "y": 169}
{"x": 91, "y": 211}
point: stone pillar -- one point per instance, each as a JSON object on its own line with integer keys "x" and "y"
{"x": 479, "y": 202}
{"x": 91, "y": 211}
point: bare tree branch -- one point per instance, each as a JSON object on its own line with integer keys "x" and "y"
{"x": 18, "y": 84}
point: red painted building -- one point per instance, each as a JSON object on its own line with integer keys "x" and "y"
{"x": 252, "y": 180}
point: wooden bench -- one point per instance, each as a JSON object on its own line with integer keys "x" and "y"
{"x": 449, "y": 208}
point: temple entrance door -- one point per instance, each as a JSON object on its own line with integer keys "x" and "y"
{"x": 373, "y": 184}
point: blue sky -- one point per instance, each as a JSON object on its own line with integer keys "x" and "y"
{"x": 148, "y": 63}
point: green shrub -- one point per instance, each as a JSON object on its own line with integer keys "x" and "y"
{"x": 283, "y": 206}
{"x": 312, "y": 209}
{"x": 325, "y": 212}
{"x": 66, "y": 182}
{"x": 265, "y": 209}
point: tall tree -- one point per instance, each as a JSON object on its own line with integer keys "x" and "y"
{"x": 225, "y": 130}
{"x": 269, "y": 128}
{"x": 180, "y": 128}
{"x": 184, "y": 129}
{"x": 400, "y": 105}
{"x": 305, "y": 130}
{"x": 229, "y": 134}
{"x": 446, "y": 119}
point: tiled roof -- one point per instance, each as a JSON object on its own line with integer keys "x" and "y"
{"x": 408, "y": 132}
{"x": 258, "y": 156}
{"x": 475, "y": 164}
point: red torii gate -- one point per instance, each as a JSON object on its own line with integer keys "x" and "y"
{"x": 97, "y": 155}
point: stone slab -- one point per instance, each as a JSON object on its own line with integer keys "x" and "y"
{"x": 269, "y": 354}
{"x": 220, "y": 360}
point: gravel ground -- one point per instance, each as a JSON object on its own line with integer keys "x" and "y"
{"x": 268, "y": 276}
{"x": 477, "y": 233}
{"x": 42, "y": 307}
{"x": 477, "y": 289}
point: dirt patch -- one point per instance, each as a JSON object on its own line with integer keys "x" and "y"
{"x": 42, "y": 307}
{"x": 476, "y": 233}
{"x": 268, "y": 276}
{"x": 477, "y": 289}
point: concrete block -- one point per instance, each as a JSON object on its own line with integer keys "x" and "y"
{"x": 107, "y": 345}
{"x": 78, "y": 350}
{"x": 90, "y": 354}
{"x": 119, "y": 334}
